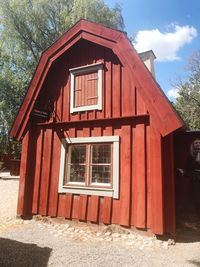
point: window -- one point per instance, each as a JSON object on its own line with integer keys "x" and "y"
{"x": 86, "y": 88}
{"x": 90, "y": 165}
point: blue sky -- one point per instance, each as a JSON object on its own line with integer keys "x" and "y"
{"x": 170, "y": 28}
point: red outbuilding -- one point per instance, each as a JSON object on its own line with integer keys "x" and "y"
{"x": 97, "y": 135}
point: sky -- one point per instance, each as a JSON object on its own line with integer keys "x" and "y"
{"x": 171, "y": 28}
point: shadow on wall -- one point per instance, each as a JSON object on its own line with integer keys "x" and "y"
{"x": 14, "y": 253}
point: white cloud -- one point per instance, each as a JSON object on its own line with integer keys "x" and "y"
{"x": 165, "y": 45}
{"x": 173, "y": 93}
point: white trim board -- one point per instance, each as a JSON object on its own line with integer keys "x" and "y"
{"x": 95, "y": 139}
{"x": 87, "y": 68}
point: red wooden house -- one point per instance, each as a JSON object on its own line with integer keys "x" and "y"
{"x": 97, "y": 135}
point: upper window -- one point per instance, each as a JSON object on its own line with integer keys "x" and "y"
{"x": 90, "y": 165}
{"x": 86, "y": 88}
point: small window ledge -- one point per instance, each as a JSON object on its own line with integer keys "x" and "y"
{"x": 105, "y": 192}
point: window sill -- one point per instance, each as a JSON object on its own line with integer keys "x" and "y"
{"x": 85, "y": 108}
{"x": 105, "y": 192}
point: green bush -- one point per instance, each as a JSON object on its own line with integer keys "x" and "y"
{"x": 9, "y": 147}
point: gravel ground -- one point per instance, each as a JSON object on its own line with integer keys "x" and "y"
{"x": 42, "y": 243}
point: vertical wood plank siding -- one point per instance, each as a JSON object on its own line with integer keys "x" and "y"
{"x": 139, "y": 181}
{"x": 136, "y": 192}
{"x": 157, "y": 223}
{"x": 53, "y": 186}
{"x": 23, "y": 170}
{"x": 27, "y": 172}
{"x": 46, "y": 172}
{"x": 119, "y": 94}
{"x": 140, "y": 200}
{"x": 37, "y": 176}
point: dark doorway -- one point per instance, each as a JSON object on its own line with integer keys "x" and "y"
{"x": 187, "y": 179}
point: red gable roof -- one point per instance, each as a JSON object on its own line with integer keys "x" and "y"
{"x": 160, "y": 109}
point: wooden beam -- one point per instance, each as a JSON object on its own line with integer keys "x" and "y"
{"x": 139, "y": 119}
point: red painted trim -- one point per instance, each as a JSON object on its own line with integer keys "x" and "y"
{"x": 156, "y": 182}
{"x": 168, "y": 184}
{"x": 82, "y": 209}
{"x": 139, "y": 182}
{"x": 53, "y": 185}
{"x": 23, "y": 170}
{"x": 173, "y": 212}
{"x": 93, "y": 208}
{"x": 37, "y": 176}
{"x": 45, "y": 172}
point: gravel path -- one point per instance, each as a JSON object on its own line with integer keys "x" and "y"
{"x": 41, "y": 243}
{"x": 8, "y": 199}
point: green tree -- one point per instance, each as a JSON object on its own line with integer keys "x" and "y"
{"x": 188, "y": 101}
{"x": 27, "y": 27}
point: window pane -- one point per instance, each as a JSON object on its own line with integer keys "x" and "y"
{"x": 78, "y": 154}
{"x": 77, "y": 173}
{"x": 100, "y": 168}
{"x": 76, "y": 166}
{"x": 101, "y": 153}
{"x": 101, "y": 174}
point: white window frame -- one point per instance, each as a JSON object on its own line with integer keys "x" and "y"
{"x": 110, "y": 192}
{"x": 84, "y": 70}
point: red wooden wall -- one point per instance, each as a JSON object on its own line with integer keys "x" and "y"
{"x": 115, "y": 102}
{"x": 141, "y": 184}
{"x": 146, "y": 159}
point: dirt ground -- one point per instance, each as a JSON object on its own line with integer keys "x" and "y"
{"x": 42, "y": 243}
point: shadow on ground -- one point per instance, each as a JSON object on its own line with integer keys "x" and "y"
{"x": 188, "y": 229}
{"x": 14, "y": 253}
{"x": 187, "y": 236}
{"x": 194, "y": 262}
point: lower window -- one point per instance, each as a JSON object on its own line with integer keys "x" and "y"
{"x": 90, "y": 165}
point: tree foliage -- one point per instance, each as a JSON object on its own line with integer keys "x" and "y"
{"x": 27, "y": 27}
{"x": 188, "y": 101}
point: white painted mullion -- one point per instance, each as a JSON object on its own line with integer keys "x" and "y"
{"x": 85, "y": 68}
{"x": 95, "y": 139}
